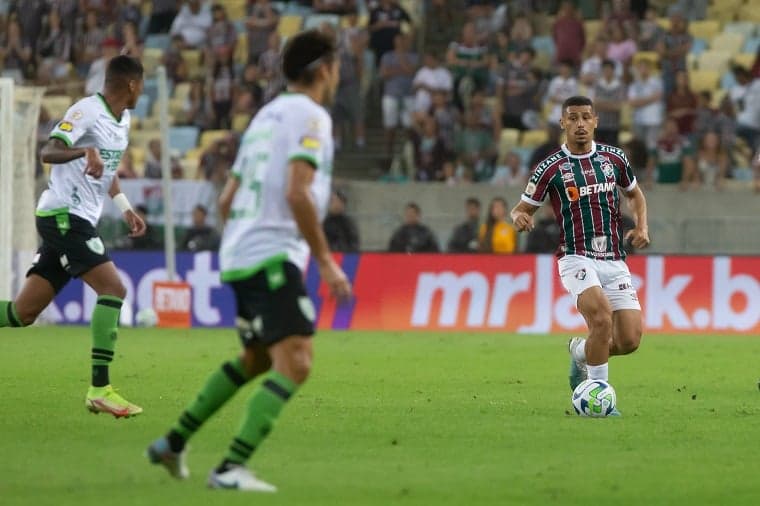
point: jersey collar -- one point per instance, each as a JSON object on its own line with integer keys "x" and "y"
{"x": 108, "y": 108}
{"x": 584, "y": 155}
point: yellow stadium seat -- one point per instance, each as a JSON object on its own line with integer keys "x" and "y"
{"x": 141, "y": 138}
{"x": 509, "y": 139}
{"x": 704, "y": 80}
{"x": 625, "y": 137}
{"x": 533, "y": 138}
{"x": 241, "y": 49}
{"x": 210, "y": 136}
{"x": 289, "y": 25}
{"x": 664, "y": 23}
{"x": 151, "y": 58}
{"x": 56, "y": 105}
{"x": 750, "y": 13}
{"x": 731, "y": 42}
{"x": 705, "y": 29}
{"x": 181, "y": 91}
{"x": 235, "y": 9}
{"x": 626, "y": 116}
{"x": 240, "y": 122}
{"x": 746, "y": 60}
{"x": 192, "y": 58}
{"x": 651, "y": 56}
{"x": 362, "y": 21}
{"x": 714, "y": 60}
{"x": 592, "y": 27}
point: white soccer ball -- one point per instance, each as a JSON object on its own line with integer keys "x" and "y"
{"x": 146, "y": 317}
{"x": 594, "y": 398}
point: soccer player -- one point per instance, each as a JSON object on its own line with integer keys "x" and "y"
{"x": 581, "y": 180}
{"x": 85, "y": 149}
{"x": 273, "y": 205}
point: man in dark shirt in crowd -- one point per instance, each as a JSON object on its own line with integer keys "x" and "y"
{"x": 413, "y": 236}
{"x": 384, "y": 24}
{"x": 544, "y": 238}
{"x": 148, "y": 241}
{"x": 340, "y": 229}
{"x": 200, "y": 237}
{"x": 464, "y": 238}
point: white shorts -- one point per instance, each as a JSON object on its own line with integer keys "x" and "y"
{"x": 578, "y": 273}
{"x": 397, "y": 111}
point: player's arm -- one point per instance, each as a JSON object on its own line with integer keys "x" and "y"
{"x": 136, "y": 224}
{"x": 639, "y": 236}
{"x": 522, "y": 216}
{"x": 56, "y": 151}
{"x": 227, "y": 196}
{"x": 304, "y": 209}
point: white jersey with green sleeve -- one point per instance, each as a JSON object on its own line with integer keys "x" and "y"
{"x": 261, "y": 228}
{"x": 88, "y": 123}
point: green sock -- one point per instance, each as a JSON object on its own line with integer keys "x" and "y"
{"x": 263, "y": 409}
{"x": 105, "y": 321}
{"x": 8, "y": 315}
{"x": 219, "y": 388}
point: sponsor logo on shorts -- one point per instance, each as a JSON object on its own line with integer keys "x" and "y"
{"x": 625, "y": 286}
{"x": 36, "y": 259}
{"x": 599, "y": 243}
{"x": 64, "y": 261}
{"x": 580, "y": 275}
{"x": 530, "y": 189}
{"x": 307, "y": 308}
{"x": 96, "y": 245}
{"x": 65, "y": 126}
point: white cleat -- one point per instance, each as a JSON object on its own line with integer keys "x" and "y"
{"x": 578, "y": 369}
{"x": 160, "y": 453}
{"x": 239, "y": 478}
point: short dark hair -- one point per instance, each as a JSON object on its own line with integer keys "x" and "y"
{"x": 413, "y": 205}
{"x": 201, "y": 208}
{"x": 123, "y": 68}
{"x": 608, "y": 63}
{"x": 473, "y": 201}
{"x": 577, "y": 100}
{"x": 304, "y": 53}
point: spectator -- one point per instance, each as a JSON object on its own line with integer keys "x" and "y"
{"x": 271, "y": 71}
{"x": 718, "y": 120}
{"x": 622, "y": 46}
{"x": 446, "y": 117}
{"x": 671, "y": 161}
{"x": 348, "y": 108}
{"x": 16, "y": 56}
{"x": 148, "y": 241}
{"x": 645, "y": 97}
{"x": 96, "y": 76}
{"x": 222, "y": 36}
{"x": 620, "y": 14}
{"x": 756, "y": 167}
{"x": 130, "y": 40}
{"x": 153, "y": 162}
{"x": 90, "y": 42}
{"x": 488, "y": 116}
{"x": 340, "y": 229}
{"x": 544, "y": 238}
{"x": 469, "y": 63}
{"x": 162, "y": 15}
{"x": 496, "y": 235}
{"x": 511, "y": 172}
{"x": 748, "y": 116}
{"x": 217, "y": 160}
{"x": 756, "y": 65}
{"x": 261, "y": 23}
{"x": 712, "y": 161}
{"x": 193, "y": 23}
{"x": 518, "y": 91}
{"x": 128, "y": 11}
{"x": 127, "y": 166}
{"x": 694, "y": 9}
{"x": 384, "y": 26}
{"x": 651, "y": 34}
{"x": 476, "y": 148}
{"x": 68, "y": 13}
{"x": 673, "y": 49}
{"x": 464, "y": 238}
{"x": 561, "y": 87}
{"x": 591, "y": 70}
{"x": 430, "y": 78}
{"x": 521, "y": 34}
{"x": 340, "y": 7}
{"x": 413, "y": 236}
{"x": 609, "y": 95}
{"x": 500, "y": 52}
{"x": 221, "y": 88}
{"x": 249, "y": 91}
{"x": 196, "y": 110}
{"x": 54, "y": 50}
{"x": 544, "y": 150}
{"x": 429, "y": 151}
{"x": 30, "y": 14}
{"x": 569, "y": 35}
{"x": 176, "y": 68}
{"x": 682, "y": 104}
{"x": 397, "y": 69}
{"x": 200, "y": 236}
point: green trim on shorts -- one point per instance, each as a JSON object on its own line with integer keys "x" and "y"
{"x": 61, "y": 216}
{"x": 304, "y": 157}
{"x": 272, "y": 265}
{"x": 61, "y": 137}
{"x": 46, "y": 213}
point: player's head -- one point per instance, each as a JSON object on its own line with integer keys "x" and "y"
{"x": 309, "y": 60}
{"x": 199, "y": 215}
{"x": 124, "y": 76}
{"x": 412, "y": 214}
{"x": 472, "y": 208}
{"x": 578, "y": 120}
{"x": 608, "y": 69}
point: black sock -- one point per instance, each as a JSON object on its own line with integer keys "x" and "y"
{"x": 225, "y": 466}
{"x": 100, "y": 376}
{"x": 176, "y": 441}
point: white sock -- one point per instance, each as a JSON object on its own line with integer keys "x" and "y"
{"x": 579, "y": 351}
{"x": 598, "y": 372}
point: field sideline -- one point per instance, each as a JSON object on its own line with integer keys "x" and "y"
{"x": 391, "y": 418}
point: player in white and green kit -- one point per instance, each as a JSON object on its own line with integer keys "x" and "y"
{"x": 85, "y": 149}
{"x": 274, "y": 204}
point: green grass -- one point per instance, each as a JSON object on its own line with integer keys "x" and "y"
{"x": 391, "y": 418}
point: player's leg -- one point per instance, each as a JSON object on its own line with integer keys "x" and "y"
{"x": 34, "y": 297}
{"x": 626, "y": 331}
{"x": 626, "y": 310}
{"x": 596, "y": 310}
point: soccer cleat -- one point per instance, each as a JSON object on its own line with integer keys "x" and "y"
{"x": 578, "y": 370}
{"x": 239, "y": 478}
{"x": 106, "y": 400}
{"x": 615, "y": 412}
{"x": 159, "y": 452}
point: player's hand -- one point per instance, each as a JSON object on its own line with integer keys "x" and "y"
{"x": 638, "y": 237}
{"x": 95, "y": 164}
{"x": 336, "y": 279}
{"x": 136, "y": 224}
{"x": 522, "y": 221}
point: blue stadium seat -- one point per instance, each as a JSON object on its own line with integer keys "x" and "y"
{"x": 698, "y": 46}
{"x": 142, "y": 108}
{"x": 543, "y": 44}
{"x": 316, "y": 20}
{"x": 183, "y": 138}
{"x": 150, "y": 88}
{"x": 751, "y": 45}
{"x": 157, "y": 41}
{"x": 727, "y": 80}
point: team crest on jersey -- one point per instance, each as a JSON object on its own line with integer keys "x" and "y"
{"x": 65, "y": 126}
{"x": 608, "y": 169}
{"x": 566, "y": 167}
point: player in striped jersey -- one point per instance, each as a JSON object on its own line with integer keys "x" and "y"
{"x": 581, "y": 180}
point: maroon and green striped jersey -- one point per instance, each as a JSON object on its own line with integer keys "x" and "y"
{"x": 584, "y": 195}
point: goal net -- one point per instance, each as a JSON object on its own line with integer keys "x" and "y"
{"x": 19, "y": 113}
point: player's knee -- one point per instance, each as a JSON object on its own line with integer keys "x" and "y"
{"x": 601, "y": 322}
{"x": 26, "y": 315}
{"x": 300, "y": 367}
{"x": 116, "y": 289}
{"x": 630, "y": 340}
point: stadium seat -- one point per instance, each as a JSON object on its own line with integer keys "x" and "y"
{"x": 157, "y": 41}
{"x": 746, "y": 28}
{"x": 745, "y": 60}
{"x": 727, "y": 41}
{"x": 138, "y": 158}
{"x": 316, "y": 20}
{"x": 142, "y": 107}
{"x": 509, "y": 139}
{"x": 591, "y": 27}
{"x": 727, "y": 80}
{"x": 698, "y": 46}
{"x": 192, "y": 59}
{"x": 664, "y": 23}
{"x": 150, "y": 88}
{"x": 183, "y": 138}
{"x": 241, "y": 49}
{"x": 714, "y": 60}
{"x": 235, "y": 9}
{"x": 210, "y": 136}
{"x": 151, "y": 59}
{"x": 240, "y": 122}
{"x": 704, "y": 80}
{"x": 533, "y": 138}
{"x": 543, "y": 44}
{"x": 141, "y": 138}
{"x": 751, "y": 45}
{"x": 704, "y": 29}
{"x": 56, "y": 105}
{"x": 749, "y": 12}
{"x": 181, "y": 91}
{"x": 289, "y": 25}
{"x": 363, "y": 21}
{"x": 652, "y": 56}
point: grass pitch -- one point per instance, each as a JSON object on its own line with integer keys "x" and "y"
{"x": 391, "y": 418}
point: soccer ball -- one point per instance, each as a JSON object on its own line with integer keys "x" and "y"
{"x": 594, "y": 398}
{"x": 146, "y": 317}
